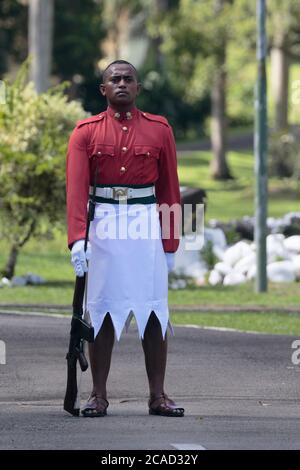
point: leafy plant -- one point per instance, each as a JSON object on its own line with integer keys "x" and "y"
{"x": 208, "y": 255}
{"x": 34, "y": 131}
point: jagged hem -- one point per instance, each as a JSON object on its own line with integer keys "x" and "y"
{"x": 121, "y": 320}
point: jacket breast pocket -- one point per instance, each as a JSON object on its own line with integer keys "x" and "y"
{"x": 102, "y": 160}
{"x": 146, "y": 161}
{"x": 101, "y": 150}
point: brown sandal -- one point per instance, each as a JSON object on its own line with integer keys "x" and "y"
{"x": 162, "y": 405}
{"x": 95, "y": 407}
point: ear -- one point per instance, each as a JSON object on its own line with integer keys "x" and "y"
{"x": 139, "y": 88}
{"x": 102, "y": 89}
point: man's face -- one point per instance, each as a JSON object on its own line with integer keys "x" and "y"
{"x": 120, "y": 86}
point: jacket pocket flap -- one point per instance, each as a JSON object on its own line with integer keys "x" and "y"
{"x": 102, "y": 149}
{"x": 146, "y": 151}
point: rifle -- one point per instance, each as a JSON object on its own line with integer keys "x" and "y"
{"x": 81, "y": 330}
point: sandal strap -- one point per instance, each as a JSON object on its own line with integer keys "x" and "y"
{"x": 95, "y": 402}
{"x": 99, "y": 398}
{"x": 162, "y": 401}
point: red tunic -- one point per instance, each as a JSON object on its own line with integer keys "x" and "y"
{"x": 129, "y": 148}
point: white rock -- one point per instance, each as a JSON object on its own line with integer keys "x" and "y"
{"x": 281, "y": 271}
{"x": 274, "y": 224}
{"x": 276, "y": 248}
{"x": 200, "y": 281}
{"x": 173, "y": 285}
{"x": 296, "y": 265}
{"x": 218, "y": 252}
{"x": 234, "y": 279}
{"x": 185, "y": 258}
{"x": 215, "y": 278}
{"x": 5, "y": 282}
{"x": 287, "y": 218}
{"x": 195, "y": 270}
{"x": 236, "y": 252}
{"x": 181, "y": 283}
{"x": 292, "y": 243}
{"x": 272, "y": 257}
{"x": 178, "y": 284}
{"x": 18, "y": 281}
{"x": 244, "y": 264}
{"x": 276, "y": 237}
{"x": 223, "y": 268}
{"x": 34, "y": 279}
{"x": 193, "y": 242}
{"x": 251, "y": 274}
{"x": 216, "y": 236}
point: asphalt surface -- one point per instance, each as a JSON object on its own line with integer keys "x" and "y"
{"x": 240, "y": 391}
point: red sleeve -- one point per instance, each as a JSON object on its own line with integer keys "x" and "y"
{"x": 77, "y": 179}
{"x": 168, "y": 192}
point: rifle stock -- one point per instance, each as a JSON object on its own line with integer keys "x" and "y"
{"x": 80, "y": 331}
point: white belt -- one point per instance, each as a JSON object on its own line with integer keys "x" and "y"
{"x": 121, "y": 192}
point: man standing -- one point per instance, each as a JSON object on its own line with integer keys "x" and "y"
{"x": 133, "y": 156}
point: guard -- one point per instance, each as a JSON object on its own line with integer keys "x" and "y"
{"x": 131, "y": 243}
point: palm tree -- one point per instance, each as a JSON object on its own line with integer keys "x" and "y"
{"x": 40, "y": 29}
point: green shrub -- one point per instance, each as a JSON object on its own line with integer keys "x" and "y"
{"x": 34, "y": 132}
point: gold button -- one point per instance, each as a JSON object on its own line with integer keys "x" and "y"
{"x": 125, "y": 128}
{"x": 148, "y": 154}
{"x": 122, "y": 169}
{"x": 117, "y": 115}
{"x": 129, "y": 115}
{"x": 124, "y": 149}
{"x": 98, "y": 153}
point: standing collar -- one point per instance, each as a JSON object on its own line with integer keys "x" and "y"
{"x": 120, "y": 116}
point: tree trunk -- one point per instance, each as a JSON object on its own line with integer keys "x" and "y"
{"x": 9, "y": 269}
{"x": 219, "y": 167}
{"x": 280, "y": 86}
{"x": 40, "y": 29}
{"x": 160, "y": 8}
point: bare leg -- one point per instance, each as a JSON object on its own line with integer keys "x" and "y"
{"x": 155, "y": 350}
{"x": 100, "y": 356}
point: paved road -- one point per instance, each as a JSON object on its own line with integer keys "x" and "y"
{"x": 240, "y": 391}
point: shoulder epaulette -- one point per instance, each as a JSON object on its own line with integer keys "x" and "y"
{"x": 157, "y": 118}
{"x": 96, "y": 118}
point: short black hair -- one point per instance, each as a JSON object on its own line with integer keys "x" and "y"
{"x": 119, "y": 61}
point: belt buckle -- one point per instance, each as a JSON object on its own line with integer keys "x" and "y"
{"x": 121, "y": 194}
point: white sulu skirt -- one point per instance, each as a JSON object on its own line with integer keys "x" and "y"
{"x": 128, "y": 274}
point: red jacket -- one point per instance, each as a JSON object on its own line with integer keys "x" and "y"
{"x": 131, "y": 148}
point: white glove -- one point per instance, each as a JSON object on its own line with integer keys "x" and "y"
{"x": 79, "y": 257}
{"x": 170, "y": 258}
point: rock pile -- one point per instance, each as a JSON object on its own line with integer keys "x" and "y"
{"x": 19, "y": 281}
{"x": 236, "y": 263}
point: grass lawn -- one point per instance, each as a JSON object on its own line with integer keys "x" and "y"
{"x": 234, "y": 199}
{"x": 274, "y": 323}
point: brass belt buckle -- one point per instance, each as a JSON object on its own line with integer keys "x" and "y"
{"x": 121, "y": 194}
